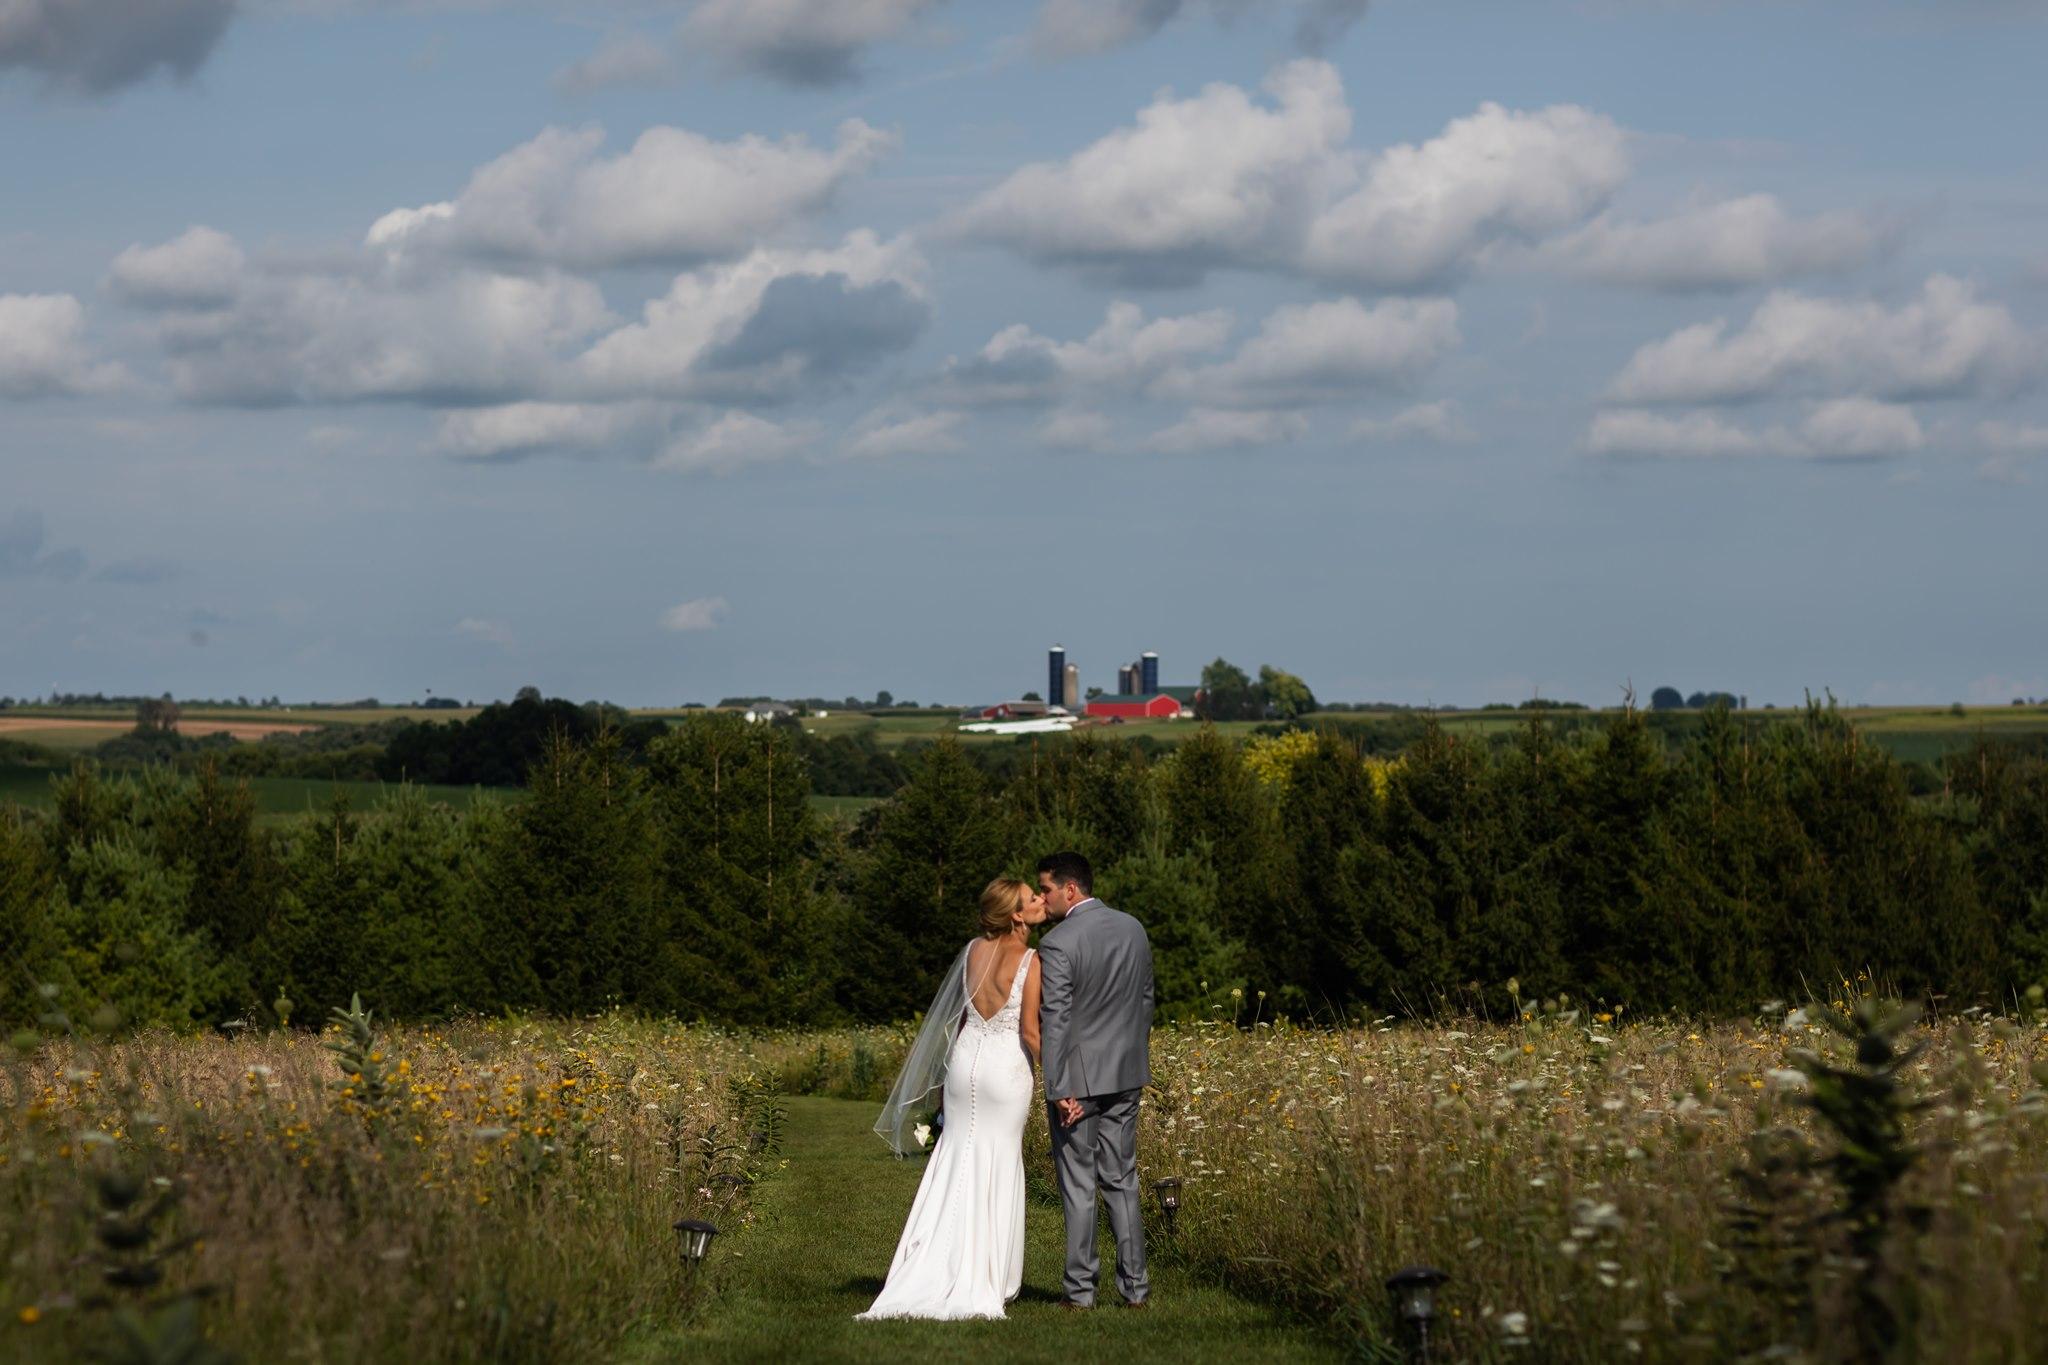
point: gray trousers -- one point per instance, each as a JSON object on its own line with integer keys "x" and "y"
{"x": 1101, "y": 1152}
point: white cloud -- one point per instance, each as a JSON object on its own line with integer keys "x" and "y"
{"x": 762, "y": 327}
{"x": 1842, "y": 429}
{"x": 1074, "y": 429}
{"x": 1426, "y": 213}
{"x": 625, "y": 59}
{"x": 674, "y": 196}
{"x": 1223, "y": 429}
{"x": 401, "y": 326}
{"x": 699, "y": 613}
{"x": 1944, "y": 343}
{"x": 1211, "y": 180}
{"x": 380, "y": 328}
{"x": 489, "y": 632}
{"x": 736, "y": 439}
{"x": 199, "y": 268}
{"x": 799, "y": 42}
{"x": 924, "y": 433}
{"x": 104, "y": 45}
{"x": 1860, "y": 429}
{"x": 43, "y": 352}
{"x": 1437, "y": 422}
{"x": 2013, "y": 438}
{"x": 1220, "y": 180}
{"x": 524, "y": 428}
{"x": 1333, "y": 350}
{"x": 1733, "y": 243}
{"x": 1697, "y": 435}
{"x": 1125, "y": 354}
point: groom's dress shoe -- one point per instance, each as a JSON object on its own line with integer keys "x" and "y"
{"x": 1137, "y": 1303}
{"x": 1075, "y": 1307}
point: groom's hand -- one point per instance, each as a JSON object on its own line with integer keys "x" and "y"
{"x": 1070, "y": 1112}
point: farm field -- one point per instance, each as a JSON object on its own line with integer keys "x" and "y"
{"x": 201, "y": 720}
{"x": 845, "y": 808}
{"x": 277, "y": 798}
{"x": 1922, "y": 734}
{"x": 285, "y": 798}
{"x": 1596, "y": 1190}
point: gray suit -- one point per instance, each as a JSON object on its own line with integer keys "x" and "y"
{"x": 1095, "y": 1022}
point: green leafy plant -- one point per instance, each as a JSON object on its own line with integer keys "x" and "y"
{"x": 367, "y": 1083}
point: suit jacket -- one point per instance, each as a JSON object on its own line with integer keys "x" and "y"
{"x": 1095, "y": 1016}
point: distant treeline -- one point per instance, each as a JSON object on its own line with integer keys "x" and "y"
{"x": 691, "y": 877}
{"x": 499, "y": 745}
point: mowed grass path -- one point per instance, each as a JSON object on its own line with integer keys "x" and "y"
{"x": 826, "y": 1226}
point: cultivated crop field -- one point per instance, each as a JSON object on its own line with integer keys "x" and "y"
{"x": 1598, "y": 1189}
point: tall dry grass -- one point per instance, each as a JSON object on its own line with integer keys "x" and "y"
{"x": 1598, "y": 1189}
{"x": 1580, "y": 1178}
{"x": 510, "y": 1198}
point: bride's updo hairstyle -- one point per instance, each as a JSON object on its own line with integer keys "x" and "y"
{"x": 1001, "y": 899}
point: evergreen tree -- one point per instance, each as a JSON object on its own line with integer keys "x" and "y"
{"x": 571, "y": 891}
{"x": 1327, "y": 808}
{"x": 931, "y": 852}
{"x": 422, "y": 936}
{"x": 1176, "y": 898}
{"x": 26, "y": 940}
{"x": 744, "y": 936}
{"x": 1617, "y": 944}
{"x": 1413, "y": 891}
{"x": 1519, "y": 927}
{"x": 315, "y": 951}
{"x": 120, "y": 917}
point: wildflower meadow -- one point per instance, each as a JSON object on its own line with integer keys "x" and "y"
{"x": 1839, "y": 1180}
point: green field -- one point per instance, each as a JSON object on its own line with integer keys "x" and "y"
{"x": 844, "y": 808}
{"x": 283, "y": 798}
{"x": 277, "y": 798}
{"x": 1910, "y": 734}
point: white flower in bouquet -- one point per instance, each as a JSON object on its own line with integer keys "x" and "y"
{"x": 923, "y": 1134}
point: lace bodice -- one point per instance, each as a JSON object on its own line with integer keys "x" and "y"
{"x": 1009, "y": 1017}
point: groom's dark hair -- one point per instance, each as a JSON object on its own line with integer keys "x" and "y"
{"x": 1068, "y": 866}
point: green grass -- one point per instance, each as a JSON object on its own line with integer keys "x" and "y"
{"x": 847, "y": 808}
{"x": 67, "y": 740}
{"x": 277, "y": 798}
{"x": 826, "y": 1226}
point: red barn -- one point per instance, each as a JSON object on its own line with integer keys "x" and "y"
{"x": 1126, "y": 706}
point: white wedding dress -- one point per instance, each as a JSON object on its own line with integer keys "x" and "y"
{"x": 962, "y": 1251}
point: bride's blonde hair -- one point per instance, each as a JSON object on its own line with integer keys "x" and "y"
{"x": 1001, "y": 899}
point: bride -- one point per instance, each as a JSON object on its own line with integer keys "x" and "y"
{"x": 962, "y": 1252}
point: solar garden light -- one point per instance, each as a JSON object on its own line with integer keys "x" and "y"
{"x": 695, "y": 1235}
{"x": 1413, "y": 1289}
{"x": 1168, "y": 1191}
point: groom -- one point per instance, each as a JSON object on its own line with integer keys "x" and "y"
{"x": 1095, "y": 1021}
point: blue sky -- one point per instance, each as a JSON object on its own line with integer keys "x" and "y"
{"x": 1439, "y": 352}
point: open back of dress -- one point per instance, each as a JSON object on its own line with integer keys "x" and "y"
{"x": 962, "y": 1250}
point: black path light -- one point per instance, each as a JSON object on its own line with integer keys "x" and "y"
{"x": 1413, "y": 1289}
{"x": 1168, "y": 1191}
{"x": 695, "y": 1235}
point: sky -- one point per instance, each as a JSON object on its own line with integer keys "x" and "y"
{"x": 1439, "y": 351}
